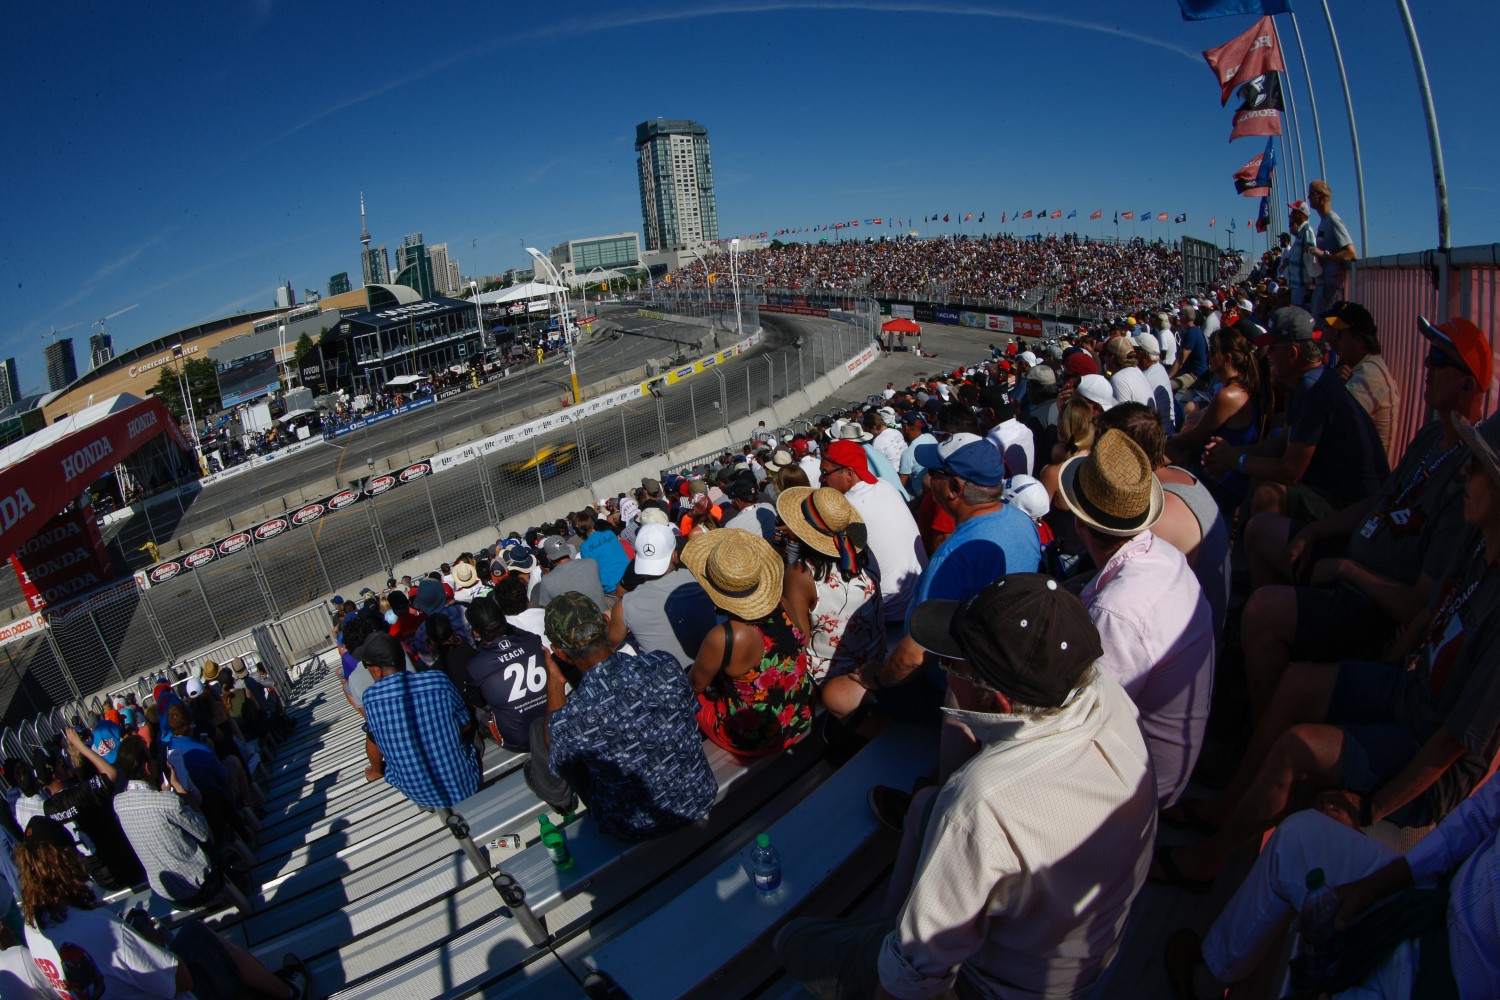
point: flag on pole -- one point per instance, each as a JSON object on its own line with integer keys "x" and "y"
{"x": 1181, "y": 218}
{"x": 1073, "y": 214}
{"x": 1002, "y": 217}
{"x": 945, "y": 216}
{"x": 1244, "y": 57}
{"x": 1202, "y": 10}
{"x": 1246, "y": 179}
{"x": 1231, "y": 225}
{"x": 1260, "y": 107}
{"x": 969, "y": 217}
{"x": 1127, "y": 216}
{"x": 1212, "y": 220}
{"x": 1027, "y": 215}
{"x": 1263, "y": 219}
{"x": 1161, "y": 217}
{"x": 1056, "y": 213}
{"x": 1145, "y": 216}
{"x": 1096, "y": 214}
{"x": 981, "y": 216}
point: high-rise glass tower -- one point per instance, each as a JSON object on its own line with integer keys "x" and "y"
{"x": 101, "y": 349}
{"x": 414, "y": 266}
{"x": 10, "y": 383}
{"x": 677, "y": 184}
{"x": 62, "y": 368}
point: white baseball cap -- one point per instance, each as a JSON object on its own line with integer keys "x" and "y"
{"x": 1096, "y": 389}
{"x": 1148, "y": 343}
{"x": 1028, "y": 494}
{"x": 654, "y": 544}
{"x": 1028, "y": 357}
{"x": 194, "y": 687}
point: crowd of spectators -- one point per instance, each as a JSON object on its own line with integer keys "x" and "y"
{"x": 1075, "y": 275}
{"x": 1034, "y": 550}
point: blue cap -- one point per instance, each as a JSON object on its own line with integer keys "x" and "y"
{"x": 967, "y": 456}
{"x": 338, "y": 600}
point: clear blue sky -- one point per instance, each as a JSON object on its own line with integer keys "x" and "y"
{"x": 186, "y": 157}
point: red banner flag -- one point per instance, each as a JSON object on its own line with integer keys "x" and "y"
{"x": 1056, "y": 213}
{"x": 1211, "y": 220}
{"x": 1245, "y": 57}
{"x": 1127, "y": 216}
{"x": 1027, "y": 214}
{"x": 1161, "y": 216}
{"x": 1260, "y": 107}
{"x": 1244, "y": 179}
{"x": 1097, "y": 214}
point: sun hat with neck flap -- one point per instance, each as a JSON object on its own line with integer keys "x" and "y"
{"x": 822, "y": 519}
{"x": 740, "y": 571}
{"x": 1112, "y": 489}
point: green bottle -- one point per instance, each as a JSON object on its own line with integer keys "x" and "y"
{"x": 555, "y": 842}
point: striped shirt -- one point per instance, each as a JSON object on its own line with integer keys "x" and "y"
{"x": 168, "y": 836}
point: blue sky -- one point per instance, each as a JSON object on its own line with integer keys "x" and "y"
{"x": 186, "y": 157}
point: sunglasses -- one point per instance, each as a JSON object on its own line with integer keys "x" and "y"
{"x": 1437, "y": 358}
{"x": 828, "y": 468}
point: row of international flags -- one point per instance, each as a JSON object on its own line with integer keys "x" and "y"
{"x": 950, "y": 217}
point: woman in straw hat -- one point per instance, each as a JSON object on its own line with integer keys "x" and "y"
{"x": 830, "y": 594}
{"x": 754, "y": 689}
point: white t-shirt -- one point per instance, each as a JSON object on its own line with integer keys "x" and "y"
{"x": 532, "y": 620}
{"x": 1016, "y": 444}
{"x": 1131, "y": 386}
{"x": 1160, "y": 382}
{"x": 890, "y": 443}
{"x": 20, "y": 977}
{"x": 895, "y": 544}
{"x": 104, "y": 958}
{"x": 1168, "y": 346}
{"x": 810, "y": 465}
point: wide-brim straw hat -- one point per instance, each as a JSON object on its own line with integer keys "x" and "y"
{"x": 210, "y": 671}
{"x": 740, "y": 571}
{"x": 464, "y": 576}
{"x": 1112, "y": 489}
{"x": 836, "y": 512}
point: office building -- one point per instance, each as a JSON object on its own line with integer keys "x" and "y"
{"x": 339, "y": 284}
{"x": 101, "y": 349}
{"x": 414, "y": 266}
{"x": 285, "y": 296}
{"x": 62, "y": 368}
{"x": 438, "y": 255}
{"x": 10, "y": 383}
{"x": 677, "y": 184}
{"x": 616, "y": 252}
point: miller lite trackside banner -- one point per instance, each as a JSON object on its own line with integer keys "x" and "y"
{"x": 33, "y": 490}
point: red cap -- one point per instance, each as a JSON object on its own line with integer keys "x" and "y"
{"x": 1081, "y": 363}
{"x": 851, "y": 456}
{"x": 799, "y": 447}
{"x": 1462, "y": 339}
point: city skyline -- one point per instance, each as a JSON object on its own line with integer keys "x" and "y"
{"x": 197, "y": 207}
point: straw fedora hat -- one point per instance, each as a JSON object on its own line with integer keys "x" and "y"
{"x": 464, "y": 576}
{"x": 1112, "y": 489}
{"x": 830, "y": 507}
{"x": 740, "y": 571}
{"x": 210, "y": 671}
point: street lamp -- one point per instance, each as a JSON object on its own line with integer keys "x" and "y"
{"x": 585, "y": 286}
{"x": 286, "y": 380}
{"x": 479, "y": 314}
{"x": 734, "y": 276}
{"x": 567, "y": 315}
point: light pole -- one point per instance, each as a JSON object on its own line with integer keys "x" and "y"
{"x": 567, "y": 314}
{"x": 734, "y": 276}
{"x": 650, "y": 278}
{"x": 281, "y": 356}
{"x": 586, "y": 286}
{"x": 479, "y": 314}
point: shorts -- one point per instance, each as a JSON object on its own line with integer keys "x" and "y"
{"x": 1307, "y": 504}
{"x": 1376, "y": 747}
{"x": 1338, "y": 623}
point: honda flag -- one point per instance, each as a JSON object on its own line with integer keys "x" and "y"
{"x": 1260, "y": 107}
{"x": 1245, "y": 57}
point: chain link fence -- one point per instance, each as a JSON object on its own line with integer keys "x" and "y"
{"x": 111, "y": 639}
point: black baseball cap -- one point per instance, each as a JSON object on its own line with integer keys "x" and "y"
{"x": 380, "y": 649}
{"x": 484, "y": 615}
{"x": 1023, "y": 635}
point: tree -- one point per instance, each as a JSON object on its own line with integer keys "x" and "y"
{"x": 303, "y": 345}
{"x": 203, "y": 387}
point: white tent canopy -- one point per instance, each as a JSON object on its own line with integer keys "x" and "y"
{"x": 530, "y": 290}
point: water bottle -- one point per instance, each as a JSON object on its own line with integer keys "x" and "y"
{"x": 1322, "y": 944}
{"x": 765, "y": 865}
{"x": 556, "y": 843}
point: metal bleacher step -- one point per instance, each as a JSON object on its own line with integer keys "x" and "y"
{"x": 725, "y": 916}
{"x": 606, "y": 873}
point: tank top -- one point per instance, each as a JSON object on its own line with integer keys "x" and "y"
{"x": 1212, "y": 565}
{"x": 768, "y": 707}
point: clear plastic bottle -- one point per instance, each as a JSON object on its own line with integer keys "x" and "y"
{"x": 1322, "y": 943}
{"x": 765, "y": 864}
{"x": 555, "y": 842}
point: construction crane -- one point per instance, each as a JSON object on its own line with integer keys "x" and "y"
{"x": 118, "y": 312}
{"x": 52, "y": 334}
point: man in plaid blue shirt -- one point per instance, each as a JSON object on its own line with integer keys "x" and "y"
{"x": 414, "y": 729}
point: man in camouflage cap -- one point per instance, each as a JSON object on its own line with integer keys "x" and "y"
{"x": 625, "y": 737}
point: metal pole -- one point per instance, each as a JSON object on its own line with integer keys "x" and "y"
{"x": 1424, "y": 87}
{"x": 1312, "y": 101}
{"x": 1359, "y": 173}
{"x": 1297, "y": 165}
{"x": 104, "y": 645}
